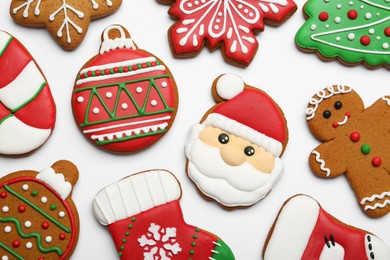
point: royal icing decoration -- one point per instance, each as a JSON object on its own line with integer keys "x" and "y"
{"x": 355, "y": 31}
{"x": 27, "y": 109}
{"x": 125, "y": 99}
{"x": 228, "y": 23}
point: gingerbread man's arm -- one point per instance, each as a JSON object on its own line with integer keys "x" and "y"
{"x": 326, "y": 160}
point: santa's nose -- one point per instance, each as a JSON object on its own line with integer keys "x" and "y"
{"x": 232, "y": 155}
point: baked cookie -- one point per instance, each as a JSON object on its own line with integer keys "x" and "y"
{"x": 125, "y": 98}
{"x": 351, "y": 31}
{"x": 233, "y": 154}
{"x": 66, "y": 20}
{"x": 27, "y": 108}
{"x": 229, "y": 25}
{"x": 144, "y": 217}
{"x": 303, "y": 230}
{"x": 355, "y": 143}
{"x": 38, "y": 219}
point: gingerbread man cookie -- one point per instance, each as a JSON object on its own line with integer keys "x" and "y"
{"x": 66, "y": 20}
{"x": 38, "y": 219}
{"x": 234, "y": 152}
{"x": 355, "y": 143}
{"x": 229, "y": 25}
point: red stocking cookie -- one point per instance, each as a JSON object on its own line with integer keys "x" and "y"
{"x": 125, "y": 98}
{"x": 27, "y": 109}
{"x": 303, "y": 230}
{"x": 226, "y": 24}
{"x": 355, "y": 143}
{"x": 38, "y": 219}
{"x": 234, "y": 152}
{"x": 143, "y": 214}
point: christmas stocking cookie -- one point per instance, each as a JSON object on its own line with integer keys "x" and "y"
{"x": 143, "y": 214}
{"x": 355, "y": 143}
{"x": 303, "y": 230}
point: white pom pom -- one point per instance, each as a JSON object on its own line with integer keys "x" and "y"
{"x": 229, "y": 86}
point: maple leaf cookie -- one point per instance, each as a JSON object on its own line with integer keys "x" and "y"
{"x": 38, "y": 219}
{"x": 27, "y": 108}
{"x": 125, "y": 98}
{"x": 304, "y": 230}
{"x": 352, "y": 31}
{"x": 229, "y": 25}
{"x": 66, "y": 20}
{"x": 355, "y": 143}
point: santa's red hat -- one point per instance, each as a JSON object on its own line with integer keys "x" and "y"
{"x": 248, "y": 113}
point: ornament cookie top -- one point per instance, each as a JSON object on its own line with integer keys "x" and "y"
{"x": 229, "y": 25}
{"x": 354, "y": 32}
{"x": 124, "y": 98}
{"x": 234, "y": 152}
{"x": 66, "y": 20}
{"x": 143, "y": 214}
{"x": 27, "y": 108}
{"x": 38, "y": 219}
{"x": 355, "y": 143}
{"x": 304, "y": 230}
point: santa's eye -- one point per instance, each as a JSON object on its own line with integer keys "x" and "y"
{"x": 223, "y": 138}
{"x": 326, "y": 114}
{"x": 338, "y": 104}
{"x": 249, "y": 150}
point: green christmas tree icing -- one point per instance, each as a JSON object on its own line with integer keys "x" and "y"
{"x": 353, "y": 30}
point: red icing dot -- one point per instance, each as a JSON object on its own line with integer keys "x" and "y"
{"x": 16, "y": 243}
{"x": 45, "y": 225}
{"x": 348, "y": 114}
{"x": 21, "y": 208}
{"x": 116, "y": 70}
{"x": 106, "y": 72}
{"x": 3, "y": 195}
{"x": 125, "y": 69}
{"x": 352, "y": 14}
{"x": 365, "y": 40}
{"x": 89, "y": 73}
{"x": 335, "y": 124}
{"x": 143, "y": 65}
{"x": 135, "y": 67}
{"x": 41, "y": 258}
{"x": 97, "y": 72}
{"x": 323, "y": 16}
{"x": 62, "y": 236}
{"x": 153, "y": 63}
{"x": 376, "y": 161}
{"x": 355, "y": 136}
{"x": 387, "y": 31}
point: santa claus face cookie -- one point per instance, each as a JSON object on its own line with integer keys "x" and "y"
{"x": 124, "y": 99}
{"x": 38, "y": 219}
{"x": 233, "y": 156}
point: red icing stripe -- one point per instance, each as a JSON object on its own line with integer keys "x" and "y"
{"x": 4, "y": 112}
{"x": 12, "y": 62}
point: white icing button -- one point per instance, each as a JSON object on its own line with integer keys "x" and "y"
{"x": 61, "y": 214}
{"x": 43, "y": 199}
{"x": 153, "y": 103}
{"x": 326, "y": 1}
{"x": 216, "y": 27}
{"x": 96, "y": 110}
{"x": 27, "y": 224}
{"x": 368, "y": 16}
{"x": 337, "y": 20}
{"x": 338, "y": 39}
{"x": 164, "y": 84}
{"x": 80, "y": 99}
{"x": 246, "y": 11}
{"x": 189, "y": 5}
{"x": 350, "y": 3}
{"x": 4, "y": 257}
{"x": 196, "y": 2}
{"x": 203, "y": 1}
{"x": 313, "y": 27}
{"x": 124, "y": 106}
{"x": 371, "y": 31}
{"x": 327, "y": 26}
{"x": 218, "y": 20}
{"x": 219, "y": 14}
{"x": 29, "y": 245}
{"x": 240, "y": 6}
{"x": 351, "y": 36}
{"x": 25, "y": 187}
{"x": 251, "y": 14}
{"x": 362, "y": 6}
{"x": 7, "y": 229}
{"x": 108, "y": 95}
{"x": 378, "y": 37}
{"x": 5, "y": 209}
{"x": 48, "y": 239}
{"x": 385, "y": 46}
{"x": 338, "y": 6}
{"x": 139, "y": 90}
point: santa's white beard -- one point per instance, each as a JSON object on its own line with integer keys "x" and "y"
{"x": 232, "y": 186}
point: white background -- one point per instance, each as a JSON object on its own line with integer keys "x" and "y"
{"x": 288, "y": 75}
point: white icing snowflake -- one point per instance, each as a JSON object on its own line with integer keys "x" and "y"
{"x": 159, "y": 243}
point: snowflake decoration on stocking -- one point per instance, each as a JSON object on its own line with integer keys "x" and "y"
{"x": 159, "y": 243}
{"x": 229, "y": 23}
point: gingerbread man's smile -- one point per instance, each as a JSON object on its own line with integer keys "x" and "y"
{"x": 347, "y": 116}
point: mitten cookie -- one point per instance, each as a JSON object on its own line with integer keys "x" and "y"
{"x": 350, "y": 31}
{"x": 234, "y": 152}
{"x": 303, "y": 230}
{"x": 27, "y": 109}
{"x": 125, "y": 98}
{"x": 229, "y": 25}
{"x": 38, "y": 219}
{"x": 66, "y": 20}
{"x": 143, "y": 214}
{"x": 355, "y": 143}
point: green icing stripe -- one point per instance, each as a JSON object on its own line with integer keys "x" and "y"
{"x": 9, "y": 250}
{"x": 31, "y": 99}
{"x": 6, "y": 46}
{"x": 67, "y": 230}
{"x": 223, "y": 251}
{"x": 32, "y": 235}
{"x": 5, "y": 118}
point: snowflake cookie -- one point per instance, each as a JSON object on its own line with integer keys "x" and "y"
{"x": 229, "y": 24}
{"x": 353, "y": 31}
{"x": 66, "y": 20}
